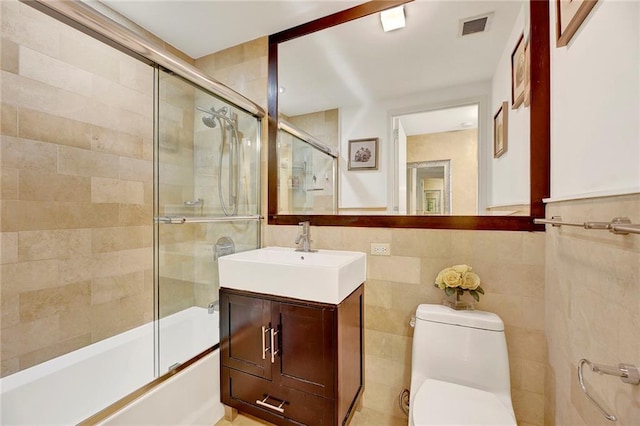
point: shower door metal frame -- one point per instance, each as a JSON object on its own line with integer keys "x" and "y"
{"x": 156, "y": 228}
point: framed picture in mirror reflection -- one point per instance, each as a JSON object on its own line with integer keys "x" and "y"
{"x": 518, "y": 73}
{"x": 363, "y": 154}
{"x": 500, "y": 130}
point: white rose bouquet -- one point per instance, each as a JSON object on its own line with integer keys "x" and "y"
{"x": 457, "y": 279}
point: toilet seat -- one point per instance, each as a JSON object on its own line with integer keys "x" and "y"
{"x": 443, "y": 403}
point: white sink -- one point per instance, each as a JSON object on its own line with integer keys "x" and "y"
{"x": 327, "y": 276}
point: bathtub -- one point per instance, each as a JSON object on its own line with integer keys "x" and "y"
{"x": 72, "y": 387}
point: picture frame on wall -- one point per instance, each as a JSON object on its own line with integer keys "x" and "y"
{"x": 570, "y": 14}
{"x": 363, "y": 154}
{"x": 518, "y": 73}
{"x": 500, "y": 130}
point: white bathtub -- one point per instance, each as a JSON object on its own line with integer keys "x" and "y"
{"x": 70, "y": 388}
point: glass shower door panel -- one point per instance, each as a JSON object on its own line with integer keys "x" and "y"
{"x": 321, "y": 186}
{"x": 306, "y": 177}
{"x": 207, "y": 171}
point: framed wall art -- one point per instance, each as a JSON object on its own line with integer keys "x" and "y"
{"x": 363, "y": 154}
{"x": 569, "y": 16}
{"x": 500, "y": 130}
{"x": 518, "y": 73}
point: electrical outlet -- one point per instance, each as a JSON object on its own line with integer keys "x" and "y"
{"x": 381, "y": 249}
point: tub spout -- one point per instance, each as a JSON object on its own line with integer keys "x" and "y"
{"x": 213, "y": 306}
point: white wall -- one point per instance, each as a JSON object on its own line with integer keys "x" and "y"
{"x": 508, "y": 176}
{"x": 595, "y": 110}
{"x": 401, "y": 161}
{"x": 364, "y": 189}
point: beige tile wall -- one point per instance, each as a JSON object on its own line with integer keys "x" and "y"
{"x": 242, "y": 67}
{"x": 76, "y": 164}
{"x": 592, "y": 311}
{"x": 324, "y": 125}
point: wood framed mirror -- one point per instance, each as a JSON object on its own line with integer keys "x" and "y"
{"x": 539, "y": 134}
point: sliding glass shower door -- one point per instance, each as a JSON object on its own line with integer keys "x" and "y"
{"x": 207, "y": 205}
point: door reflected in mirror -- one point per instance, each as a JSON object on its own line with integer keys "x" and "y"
{"x": 438, "y": 150}
{"x": 429, "y": 187}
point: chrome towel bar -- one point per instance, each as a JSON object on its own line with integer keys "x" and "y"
{"x": 628, "y": 373}
{"x": 179, "y": 220}
{"x": 618, "y": 225}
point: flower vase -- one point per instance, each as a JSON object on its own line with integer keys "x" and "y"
{"x": 459, "y": 301}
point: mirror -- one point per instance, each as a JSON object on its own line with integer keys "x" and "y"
{"x": 409, "y": 194}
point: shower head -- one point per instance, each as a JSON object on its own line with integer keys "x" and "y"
{"x": 209, "y": 121}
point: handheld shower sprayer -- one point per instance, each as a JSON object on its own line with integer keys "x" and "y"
{"x": 231, "y": 142}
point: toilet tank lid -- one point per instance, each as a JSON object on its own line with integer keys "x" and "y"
{"x": 474, "y": 319}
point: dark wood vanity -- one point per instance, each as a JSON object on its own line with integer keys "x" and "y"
{"x": 291, "y": 361}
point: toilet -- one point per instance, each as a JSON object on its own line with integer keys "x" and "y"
{"x": 459, "y": 369}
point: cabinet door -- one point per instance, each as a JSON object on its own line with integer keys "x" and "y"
{"x": 306, "y": 348}
{"x": 245, "y": 333}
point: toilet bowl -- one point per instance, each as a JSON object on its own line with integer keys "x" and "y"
{"x": 459, "y": 369}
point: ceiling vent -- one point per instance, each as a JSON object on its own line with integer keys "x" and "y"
{"x": 475, "y": 24}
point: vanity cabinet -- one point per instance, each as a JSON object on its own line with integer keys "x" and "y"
{"x": 291, "y": 361}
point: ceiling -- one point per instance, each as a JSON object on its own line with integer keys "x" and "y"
{"x": 352, "y": 63}
{"x": 199, "y": 28}
{"x": 442, "y": 120}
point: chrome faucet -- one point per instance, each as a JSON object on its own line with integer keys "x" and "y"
{"x": 304, "y": 237}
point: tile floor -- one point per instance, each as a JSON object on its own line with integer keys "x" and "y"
{"x": 243, "y": 420}
{"x": 361, "y": 418}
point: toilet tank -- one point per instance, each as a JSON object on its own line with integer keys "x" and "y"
{"x": 463, "y": 347}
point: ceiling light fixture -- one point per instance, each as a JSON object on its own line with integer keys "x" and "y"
{"x": 392, "y": 19}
